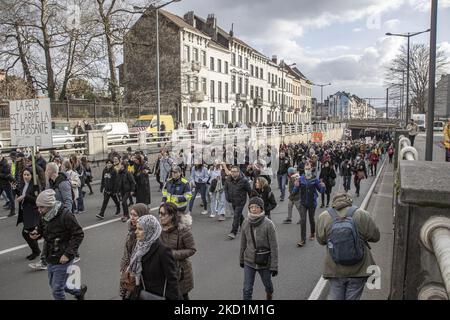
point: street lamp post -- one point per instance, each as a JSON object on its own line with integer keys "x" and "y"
{"x": 407, "y": 35}
{"x": 321, "y": 95}
{"x": 158, "y": 92}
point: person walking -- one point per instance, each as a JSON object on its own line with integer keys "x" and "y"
{"x": 328, "y": 177}
{"x": 109, "y": 188}
{"x": 413, "y": 131}
{"x": 177, "y": 235}
{"x": 26, "y": 194}
{"x": 177, "y": 190}
{"x": 258, "y": 250}
{"x": 142, "y": 178}
{"x": 360, "y": 171}
{"x": 347, "y": 258}
{"x": 75, "y": 183}
{"x": 63, "y": 236}
{"x": 284, "y": 165}
{"x": 88, "y": 172}
{"x": 294, "y": 198}
{"x": 126, "y": 284}
{"x": 373, "y": 161}
{"x": 236, "y": 188}
{"x": 126, "y": 188}
{"x": 346, "y": 173}
{"x": 217, "y": 190}
{"x": 391, "y": 153}
{"x": 262, "y": 190}
{"x": 198, "y": 180}
{"x": 60, "y": 184}
{"x": 152, "y": 264}
{"x": 308, "y": 185}
{"x": 447, "y": 141}
{"x": 6, "y": 177}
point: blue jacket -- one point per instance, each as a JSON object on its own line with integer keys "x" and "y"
{"x": 201, "y": 176}
{"x": 308, "y": 191}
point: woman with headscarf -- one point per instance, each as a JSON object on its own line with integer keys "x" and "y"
{"x": 177, "y": 235}
{"x": 136, "y": 211}
{"x": 28, "y": 212}
{"x": 262, "y": 189}
{"x": 152, "y": 264}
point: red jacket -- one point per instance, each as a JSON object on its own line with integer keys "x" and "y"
{"x": 373, "y": 158}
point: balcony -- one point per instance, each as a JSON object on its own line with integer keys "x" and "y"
{"x": 241, "y": 97}
{"x": 258, "y": 102}
{"x": 197, "y": 96}
{"x": 196, "y": 66}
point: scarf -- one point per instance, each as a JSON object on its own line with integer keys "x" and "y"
{"x": 341, "y": 201}
{"x": 256, "y": 219}
{"x": 53, "y": 212}
{"x": 25, "y": 188}
{"x": 152, "y": 231}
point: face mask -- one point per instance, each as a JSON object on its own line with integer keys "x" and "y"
{"x": 308, "y": 173}
{"x": 326, "y": 165}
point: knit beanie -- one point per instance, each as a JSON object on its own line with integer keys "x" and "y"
{"x": 258, "y": 201}
{"x": 291, "y": 170}
{"x": 46, "y": 198}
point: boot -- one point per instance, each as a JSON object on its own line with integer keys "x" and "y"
{"x": 269, "y": 296}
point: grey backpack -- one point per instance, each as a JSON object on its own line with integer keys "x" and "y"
{"x": 344, "y": 244}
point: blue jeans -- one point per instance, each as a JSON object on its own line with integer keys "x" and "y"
{"x": 346, "y": 288}
{"x": 218, "y": 203}
{"x": 199, "y": 187}
{"x": 282, "y": 178}
{"x": 249, "y": 281}
{"x": 57, "y": 278}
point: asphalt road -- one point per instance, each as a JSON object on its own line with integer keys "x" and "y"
{"x": 217, "y": 274}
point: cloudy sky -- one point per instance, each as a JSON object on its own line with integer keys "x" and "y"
{"x": 340, "y": 41}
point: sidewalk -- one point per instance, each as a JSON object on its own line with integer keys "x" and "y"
{"x": 380, "y": 206}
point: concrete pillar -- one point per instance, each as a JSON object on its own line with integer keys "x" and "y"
{"x": 97, "y": 144}
{"x": 142, "y": 140}
{"x": 423, "y": 194}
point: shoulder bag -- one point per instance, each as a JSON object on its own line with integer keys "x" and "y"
{"x": 262, "y": 254}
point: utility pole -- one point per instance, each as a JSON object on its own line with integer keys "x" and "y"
{"x": 387, "y": 103}
{"x": 432, "y": 82}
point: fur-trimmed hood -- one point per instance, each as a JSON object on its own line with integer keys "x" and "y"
{"x": 185, "y": 221}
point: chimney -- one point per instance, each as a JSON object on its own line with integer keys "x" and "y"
{"x": 189, "y": 18}
{"x": 211, "y": 26}
{"x": 232, "y": 31}
{"x": 275, "y": 59}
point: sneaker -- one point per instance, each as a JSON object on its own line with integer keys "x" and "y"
{"x": 124, "y": 219}
{"x": 83, "y": 290}
{"x": 100, "y": 216}
{"x": 287, "y": 221}
{"x": 321, "y": 206}
{"x": 81, "y": 211}
{"x": 231, "y": 236}
{"x": 300, "y": 244}
{"x": 312, "y": 237}
{"x": 204, "y": 212}
{"x": 222, "y": 217}
{"x": 281, "y": 200}
{"x": 38, "y": 265}
{"x": 77, "y": 259}
{"x": 212, "y": 215}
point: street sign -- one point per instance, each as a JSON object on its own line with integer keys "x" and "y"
{"x": 31, "y": 123}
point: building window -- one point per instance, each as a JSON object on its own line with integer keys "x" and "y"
{"x": 240, "y": 61}
{"x": 188, "y": 84}
{"x": 261, "y": 73}
{"x": 226, "y": 92}
{"x": 226, "y": 67}
{"x": 251, "y": 91}
{"x": 219, "y": 65}
{"x": 204, "y": 85}
{"x": 233, "y": 84}
{"x": 246, "y": 86}
{"x": 211, "y": 64}
{"x": 196, "y": 84}
{"x": 246, "y": 63}
{"x": 268, "y": 77}
{"x": 251, "y": 70}
{"x": 195, "y": 52}
{"x": 219, "y": 91}
{"x": 211, "y": 91}
{"x": 240, "y": 85}
{"x": 268, "y": 95}
{"x": 256, "y": 72}
{"x": 187, "y": 54}
{"x": 204, "y": 58}
{"x": 261, "y": 93}
{"x": 233, "y": 59}
{"x": 256, "y": 92}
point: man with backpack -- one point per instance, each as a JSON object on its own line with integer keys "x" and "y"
{"x": 346, "y": 231}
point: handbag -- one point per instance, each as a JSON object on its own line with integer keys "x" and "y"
{"x": 145, "y": 295}
{"x": 262, "y": 254}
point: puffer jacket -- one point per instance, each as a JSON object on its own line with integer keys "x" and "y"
{"x": 367, "y": 230}
{"x": 181, "y": 241}
{"x": 308, "y": 191}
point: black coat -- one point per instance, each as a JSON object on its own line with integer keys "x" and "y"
{"x": 268, "y": 197}
{"x": 63, "y": 235}
{"x": 157, "y": 266}
{"x": 142, "y": 186}
{"x": 327, "y": 174}
{"x": 126, "y": 182}
{"x": 28, "y": 212}
{"x": 236, "y": 191}
{"x": 109, "y": 180}
{"x": 285, "y": 163}
{"x": 5, "y": 174}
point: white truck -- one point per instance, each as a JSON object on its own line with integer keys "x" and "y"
{"x": 419, "y": 119}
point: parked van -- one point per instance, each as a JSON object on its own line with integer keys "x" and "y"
{"x": 116, "y": 131}
{"x": 149, "y": 123}
{"x": 438, "y": 126}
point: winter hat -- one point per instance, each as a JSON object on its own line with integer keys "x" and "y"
{"x": 46, "y": 198}
{"x": 291, "y": 170}
{"x": 258, "y": 201}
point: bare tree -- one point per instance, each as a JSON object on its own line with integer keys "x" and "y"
{"x": 419, "y": 67}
